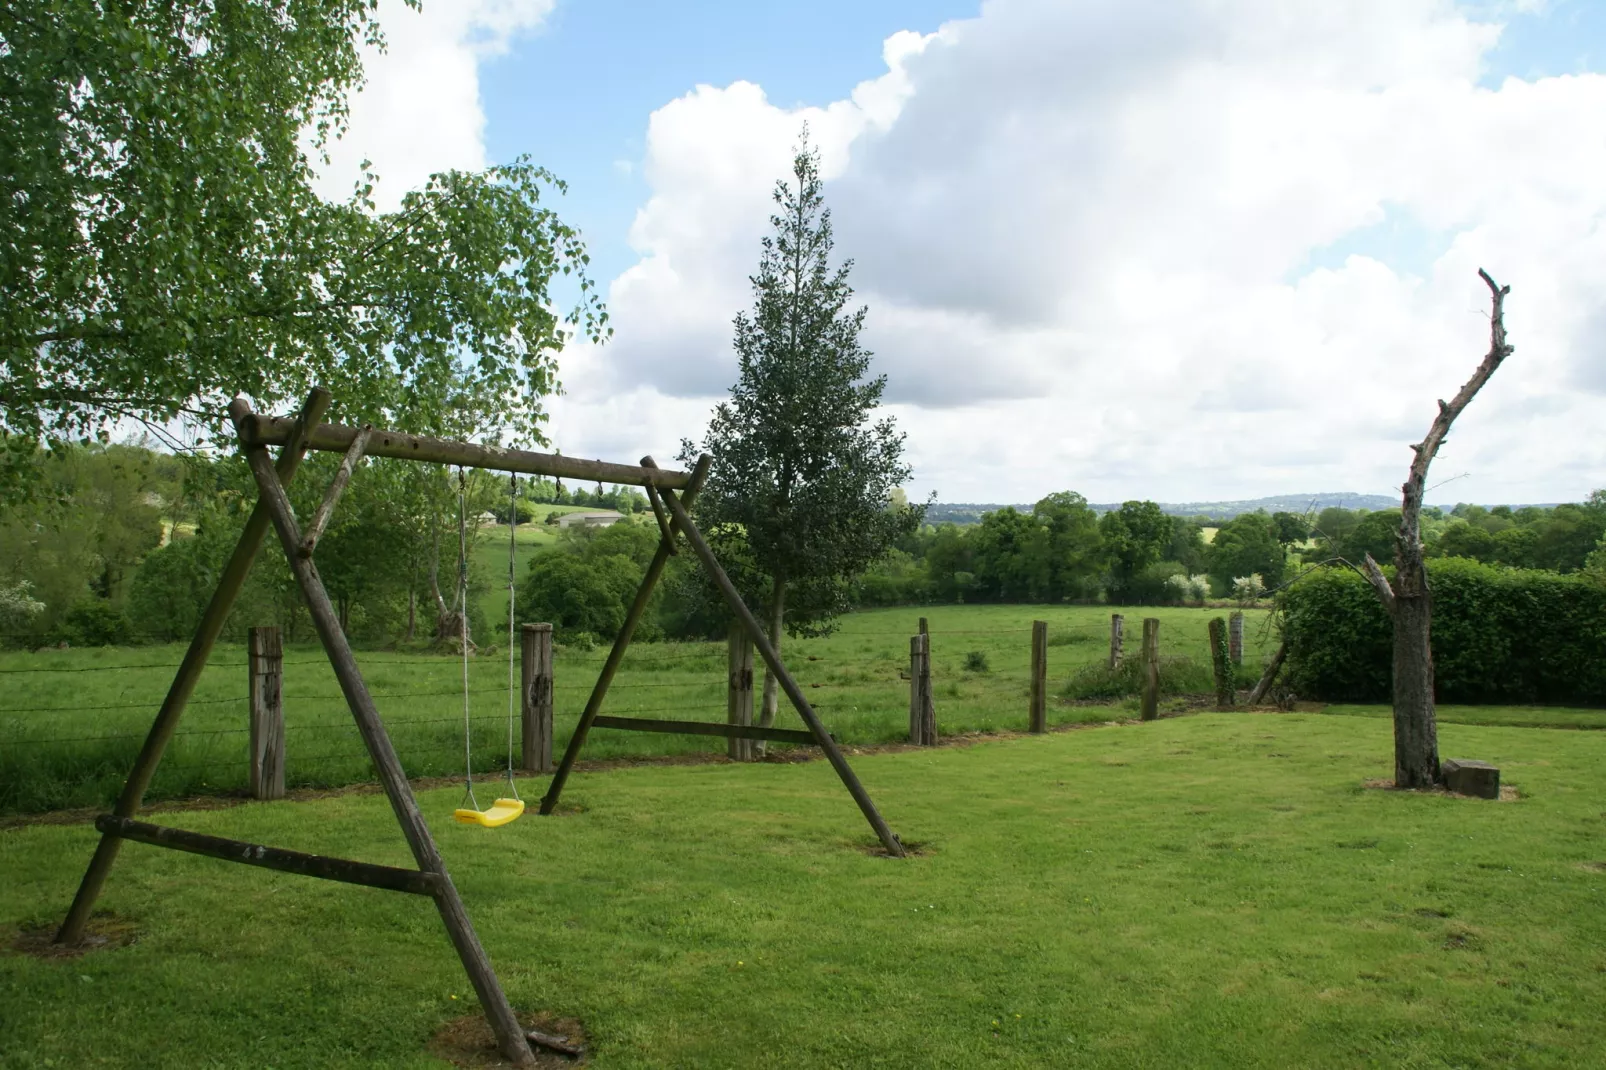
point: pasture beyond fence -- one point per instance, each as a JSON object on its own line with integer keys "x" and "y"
{"x": 267, "y": 718}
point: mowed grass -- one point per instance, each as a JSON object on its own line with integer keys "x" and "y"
{"x": 1513, "y": 716}
{"x": 1216, "y": 890}
{"x": 71, "y": 721}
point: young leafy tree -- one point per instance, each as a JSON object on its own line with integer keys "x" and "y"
{"x": 1245, "y": 545}
{"x": 1075, "y": 549}
{"x": 165, "y": 248}
{"x": 1291, "y": 527}
{"x": 803, "y": 470}
{"x": 1135, "y": 536}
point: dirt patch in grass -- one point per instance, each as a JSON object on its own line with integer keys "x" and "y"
{"x": 1507, "y": 792}
{"x": 468, "y": 1041}
{"x": 106, "y": 930}
{"x": 911, "y": 848}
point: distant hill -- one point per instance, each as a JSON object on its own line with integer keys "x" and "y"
{"x": 971, "y": 512}
{"x": 1276, "y": 503}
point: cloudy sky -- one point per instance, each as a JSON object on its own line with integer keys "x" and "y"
{"x": 1169, "y": 249}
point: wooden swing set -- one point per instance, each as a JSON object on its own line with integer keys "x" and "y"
{"x": 671, "y": 494}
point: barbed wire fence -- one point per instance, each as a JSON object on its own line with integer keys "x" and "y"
{"x": 69, "y": 732}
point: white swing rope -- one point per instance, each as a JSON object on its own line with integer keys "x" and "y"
{"x": 462, "y": 635}
{"x": 512, "y": 550}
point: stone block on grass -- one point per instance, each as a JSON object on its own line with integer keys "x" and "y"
{"x": 1467, "y": 777}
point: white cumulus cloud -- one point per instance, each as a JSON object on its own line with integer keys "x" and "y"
{"x": 1086, "y": 233}
{"x": 419, "y": 111}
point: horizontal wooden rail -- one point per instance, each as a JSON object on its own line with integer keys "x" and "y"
{"x": 255, "y": 854}
{"x": 707, "y": 728}
{"x": 259, "y": 430}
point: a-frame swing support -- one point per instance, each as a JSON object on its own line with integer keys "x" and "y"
{"x": 306, "y": 431}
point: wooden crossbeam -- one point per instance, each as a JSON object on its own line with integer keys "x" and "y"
{"x": 392, "y": 878}
{"x": 707, "y": 728}
{"x": 257, "y": 429}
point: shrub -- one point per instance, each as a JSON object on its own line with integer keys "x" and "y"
{"x": 976, "y": 661}
{"x": 521, "y": 509}
{"x": 171, "y": 589}
{"x": 1248, "y": 589}
{"x": 1150, "y": 587}
{"x": 1179, "y": 675}
{"x": 93, "y": 622}
{"x": 577, "y": 595}
{"x": 18, "y": 609}
{"x": 1499, "y": 635}
{"x": 1185, "y": 588}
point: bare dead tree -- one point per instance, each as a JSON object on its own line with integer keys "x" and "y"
{"x": 1409, "y": 600}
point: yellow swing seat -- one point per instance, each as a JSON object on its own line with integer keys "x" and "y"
{"x": 500, "y": 813}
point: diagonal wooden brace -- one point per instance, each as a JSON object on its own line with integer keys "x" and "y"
{"x": 772, "y": 660}
{"x": 189, "y": 672}
{"x": 509, "y": 1035}
{"x": 663, "y": 519}
{"x": 638, "y": 608}
{"x": 337, "y": 487}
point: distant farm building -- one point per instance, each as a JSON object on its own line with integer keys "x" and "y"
{"x": 589, "y": 520}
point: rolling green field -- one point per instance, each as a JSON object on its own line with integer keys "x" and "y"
{"x": 1210, "y": 890}
{"x": 71, "y": 721}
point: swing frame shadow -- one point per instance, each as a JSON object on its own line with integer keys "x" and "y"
{"x": 307, "y": 432}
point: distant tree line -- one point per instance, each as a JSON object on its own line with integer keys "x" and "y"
{"x": 122, "y": 543}
{"x": 1061, "y": 550}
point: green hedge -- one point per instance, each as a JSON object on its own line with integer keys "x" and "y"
{"x": 1499, "y": 635}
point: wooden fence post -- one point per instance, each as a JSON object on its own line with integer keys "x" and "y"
{"x": 535, "y": 678}
{"x": 922, "y": 707}
{"x": 265, "y": 671}
{"x": 1220, "y": 663}
{"x": 1151, "y": 669}
{"x": 1039, "y": 720}
{"x": 1235, "y": 637}
{"x": 1117, "y": 627}
{"x": 739, "y": 691}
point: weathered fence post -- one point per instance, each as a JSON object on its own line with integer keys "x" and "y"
{"x": 1117, "y": 625}
{"x": 1235, "y": 637}
{"x": 1039, "y": 676}
{"x": 739, "y": 691}
{"x": 1220, "y": 663}
{"x": 922, "y": 706}
{"x": 265, "y": 671}
{"x": 1151, "y": 669}
{"x": 535, "y": 677}
{"x": 923, "y": 629}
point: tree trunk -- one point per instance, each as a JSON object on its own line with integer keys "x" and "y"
{"x": 450, "y": 625}
{"x": 777, "y": 622}
{"x": 1409, "y": 599}
{"x": 1416, "y": 734}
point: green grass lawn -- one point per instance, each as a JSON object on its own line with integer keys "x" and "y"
{"x": 1513, "y": 716}
{"x": 1213, "y": 890}
{"x": 71, "y": 721}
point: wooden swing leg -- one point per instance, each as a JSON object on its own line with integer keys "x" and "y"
{"x": 189, "y": 673}
{"x": 509, "y": 1035}
{"x": 772, "y": 660}
{"x": 599, "y": 691}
